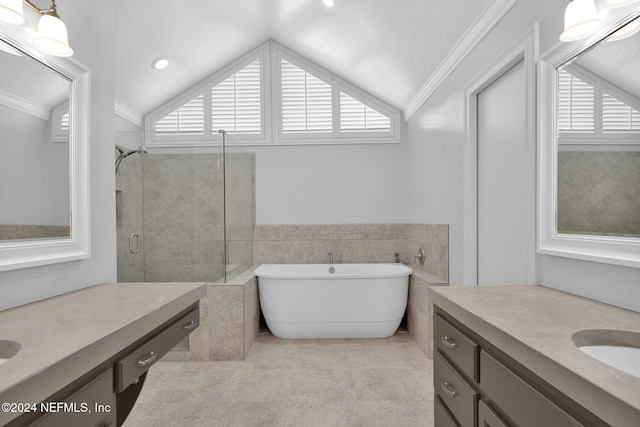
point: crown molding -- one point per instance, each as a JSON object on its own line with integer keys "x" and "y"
{"x": 20, "y": 104}
{"x": 490, "y": 16}
{"x": 128, "y": 114}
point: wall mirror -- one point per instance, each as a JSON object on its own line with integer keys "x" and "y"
{"x": 589, "y": 163}
{"x": 43, "y": 165}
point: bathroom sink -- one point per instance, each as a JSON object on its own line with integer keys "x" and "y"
{"x": 8, "y": 349}
{"x": 618, "y": 349}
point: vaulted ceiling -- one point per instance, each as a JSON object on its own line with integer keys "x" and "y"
{"x": 389, "y": 48}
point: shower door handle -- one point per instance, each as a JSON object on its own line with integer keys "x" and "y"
{"x": 134, "y": 238}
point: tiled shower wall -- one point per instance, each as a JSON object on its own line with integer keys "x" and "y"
{"x": 179, "y": 215}
{"x": 354, "y": 243}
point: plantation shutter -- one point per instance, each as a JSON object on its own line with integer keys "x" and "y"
{"x": 236, "y": 102}
{"x": 306, "y": 101}
{"x": 356, "y": 116}
{"x": 186, "y": 120}
{"x": 576, "y": 104}
{"x": 618, "y": 116}
{"x": 64, "y": 123}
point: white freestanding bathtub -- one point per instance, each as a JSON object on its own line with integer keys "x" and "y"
{"x": 333, "y": 301}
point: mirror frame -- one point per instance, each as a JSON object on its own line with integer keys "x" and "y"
{"x": 606, "y": 249}
{"x": 23, "y": 254}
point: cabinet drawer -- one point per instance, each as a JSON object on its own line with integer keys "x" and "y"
{"x": 458, "y": 396}
{"x": 129, "y": 369}
{"x": 92, "y": 405}
{"x": 461, "y": 350}
{"x": 488, "y": 418}
{"x": 525, "y": 405}
{"x": 441, "y": 415}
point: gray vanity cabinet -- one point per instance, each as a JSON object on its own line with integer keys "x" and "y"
{"x": 478, "y": 385}
{"x": 105, "y": 396}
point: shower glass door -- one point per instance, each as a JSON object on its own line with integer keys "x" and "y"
{"x": 129, "y": 206}
{"x": 183, "y": 214}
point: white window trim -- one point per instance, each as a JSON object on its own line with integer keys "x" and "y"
{"x": 211, "y": 137}
{"x": 279, "y": 52}
{"x": 605, "y": 249}
{"x": 270, "y": 54}
{"x": 57, "y": 133}
{"x": 615, "y": 139}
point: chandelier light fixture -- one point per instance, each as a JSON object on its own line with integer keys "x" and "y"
{"x": 51, "y": 36}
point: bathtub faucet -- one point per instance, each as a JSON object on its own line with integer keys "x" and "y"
{"x": 330, "y": 257}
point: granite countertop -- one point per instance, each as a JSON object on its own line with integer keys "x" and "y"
{"x": 535, "y": 326}
{"x": 64, "y": 337}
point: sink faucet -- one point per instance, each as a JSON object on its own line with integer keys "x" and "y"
{"x": 397, "y": 255}
{"x": 330, "y": 257}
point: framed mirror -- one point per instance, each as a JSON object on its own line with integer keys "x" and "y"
{"x": 589, "y": 145}
{"x": 44, "y": 124}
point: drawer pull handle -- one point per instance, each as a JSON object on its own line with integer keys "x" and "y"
{"x": 150, "y": 358}
{"x": 445, "y": 387}
{"x": 449, "y": 342}
{"x": 190, "y": 325}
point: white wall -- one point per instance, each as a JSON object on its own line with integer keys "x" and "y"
{"x": 90, "y": 26}
{"x": 34, "y": 171}
{"x": 331, "y": 184}
{"x": 436, "y": 134}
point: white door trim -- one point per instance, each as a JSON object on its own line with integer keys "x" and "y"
{"x": 525, "y": 48}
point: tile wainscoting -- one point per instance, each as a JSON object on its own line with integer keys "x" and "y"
{"x": 230, "y": 311}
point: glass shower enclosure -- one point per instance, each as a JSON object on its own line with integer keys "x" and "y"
{"x": 183, "y": 214}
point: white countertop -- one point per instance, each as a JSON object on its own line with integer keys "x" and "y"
{"x": 64, "y": 337}
{"x": 535, "y": 325}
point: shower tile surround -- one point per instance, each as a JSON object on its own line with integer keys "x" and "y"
{"x": 230, "y": 311}
{"x": 176, "y": 203}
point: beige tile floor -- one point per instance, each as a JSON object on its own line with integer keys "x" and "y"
{"x": 371, "y": 382}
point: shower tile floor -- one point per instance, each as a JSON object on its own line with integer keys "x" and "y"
{"x": 359, "y": 382}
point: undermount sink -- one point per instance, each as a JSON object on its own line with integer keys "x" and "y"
{"x": 618, "y": 349}
{"x": 8, "y": 349}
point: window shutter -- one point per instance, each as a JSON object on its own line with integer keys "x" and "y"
{"x": 618, "y": 116}
{"x": 236, "y": 102}
{"x": 186, "y": 120}
{"x": 356, "y": 116}
{"x": 306, "y": 101}
{"x": 64, "y": 123}
{"x": 576, "y": 104}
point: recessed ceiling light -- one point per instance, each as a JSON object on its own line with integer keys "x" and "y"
{"x": 160, "y": 63}
{"x": 328, "y": 2}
